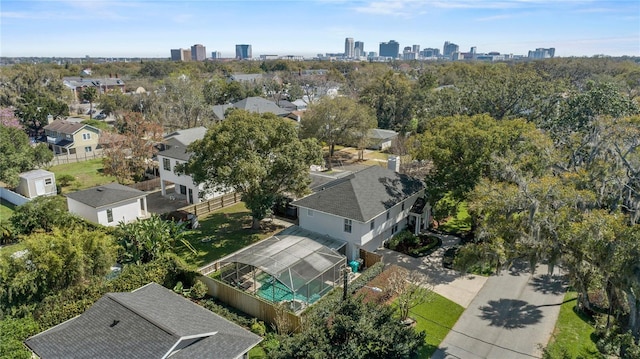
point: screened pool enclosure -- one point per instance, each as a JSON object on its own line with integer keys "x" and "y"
{"x": 295, "y": 267}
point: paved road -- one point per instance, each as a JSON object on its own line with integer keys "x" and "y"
{"x": 510, "y": 317}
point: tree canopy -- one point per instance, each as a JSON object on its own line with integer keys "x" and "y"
{"x": 258, "y": 156}
{"x": 352, "y": 329}
{"x": 18, "y": 155}
{"x": 338, "y": 120}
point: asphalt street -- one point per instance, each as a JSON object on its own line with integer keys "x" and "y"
{"x": 512, "y": 317}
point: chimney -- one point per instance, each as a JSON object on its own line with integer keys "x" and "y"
{"x": 393, "y": 163}
{"x": 49, "y": 119}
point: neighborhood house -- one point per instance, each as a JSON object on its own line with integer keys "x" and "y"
{"x": 109, "y": 204}
{"x": 65, "y": 137}
{"x": 175, "y": 152}
{"x": 365, "y": 208}
{"x": 150, "y": 322}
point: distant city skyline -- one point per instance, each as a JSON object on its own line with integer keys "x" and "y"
{"x": 150, "y": 28}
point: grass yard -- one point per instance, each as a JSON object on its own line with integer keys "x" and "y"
{"x": 572, "y": 334}
{"x": 6, "y": 210}
{"x": 436, "y": 318}
{"x": 227, "y": 230}
{"x": 461, "y": 222}
{"x": 87, "y": 174}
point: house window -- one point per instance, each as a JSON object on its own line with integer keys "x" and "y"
{"x": 87, "y": 149}
{"x": 388, "y": 215}
{"x": 373, "y": 224}
{"x": 347, "y": 225}
{"x": 48, "y": 181}
{"x": 310, "y": 212}
{"x": 166, "y": 164}
{"x": 86, "y": 136}
{"x": 183, "y": 189}
{"x": 109, "y": 215}
{"x": 394, "y": 229}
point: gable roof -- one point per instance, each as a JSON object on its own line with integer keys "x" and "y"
{"x": 260, "y": 105}
{"x": 219, "y": 110}
{"x": 107, "y": 194}
{"x": 363, "y": 195}
{"x": 150, "y": 322}
{"x": 68, "y": 127}
{"x": 380, "y": 134}
{"x": 185, "y": 137}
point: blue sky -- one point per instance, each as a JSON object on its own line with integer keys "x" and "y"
{"x": 104, "y": 28}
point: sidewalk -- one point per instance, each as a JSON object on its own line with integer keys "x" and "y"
{"x": 458, "y": 287}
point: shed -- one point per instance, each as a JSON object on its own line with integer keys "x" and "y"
{"x": 37, "y": 183}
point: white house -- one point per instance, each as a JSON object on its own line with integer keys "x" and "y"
{"x": 175, "y": 153}
{"x": 108, "y": 204}
{"x": 37, "y": 183}
{"x": 365, "y": 208}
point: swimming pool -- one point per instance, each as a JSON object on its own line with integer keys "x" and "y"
{"x": 274, "y": 291}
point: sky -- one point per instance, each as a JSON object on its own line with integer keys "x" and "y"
{"x": 150, "y": 28}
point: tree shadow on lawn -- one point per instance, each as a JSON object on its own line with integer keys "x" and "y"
{"x": 221, "y": 234}
{"x": 510, "y": 313}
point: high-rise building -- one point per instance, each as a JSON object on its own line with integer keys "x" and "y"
{"x": 430, "y": 52}
{"x": 216, "y": 55}
{"x": 349, "y": 47}
{"x": 198, "y": 52}
{"x": 449, "y": 49}
{"x": 415, "y": 48}
{"x": 359, "y": 49}
{"x": 176, "y": 54}
{"x": 389, "y": 49}
{"x": 542, "y": 53}
{"x": 180, "y": 55}
{"x": 243, "y": 51}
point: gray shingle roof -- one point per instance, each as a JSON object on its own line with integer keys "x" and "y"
{"x": 362, "y": 195}
{"x": 185, "y": 137}
{"x": 260, "y": 105}
{"x": 380, "y": 134}
{"x": 145, "y": 323}
{"x": 105, "y": 195}
{"x": 68, "y": 127}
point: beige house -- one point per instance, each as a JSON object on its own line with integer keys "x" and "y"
{"x": 65, "y": 137}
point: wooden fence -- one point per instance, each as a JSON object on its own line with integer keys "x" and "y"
{"x": 147, "y": 185}
{"x": 250, "y": 304}
{"x": 211, "y": 205}
{"x": 76, "y": 157}
{"x": 369, "y": 258}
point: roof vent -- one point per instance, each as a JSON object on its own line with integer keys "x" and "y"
{"x": 100, "y": 189}
{"x": 115, "y": 322}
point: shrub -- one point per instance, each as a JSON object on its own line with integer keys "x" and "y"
{"x": 198, "y": 290}
{"x": 259, "y": 328}
{"x": 65, "y": 180}
{"x": 404, "y": 239}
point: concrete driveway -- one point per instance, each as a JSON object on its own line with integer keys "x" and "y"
{"x": 458, "y": 287}
{"x": 511, "y": 316}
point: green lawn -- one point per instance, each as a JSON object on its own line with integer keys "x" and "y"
{"x": 87, "y": 174}
{"x": 6, "y": 210}
{"x": 229, "y": 229}
{"x": 572, "y": 333}
{"x": 436, "y": 318}
{"x": 461, "y": 222}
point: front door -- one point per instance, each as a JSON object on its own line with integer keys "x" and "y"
{"x": 190, "y": 195}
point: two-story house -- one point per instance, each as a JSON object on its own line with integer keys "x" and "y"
{"x": 365, "y": 208}
{"x": 66, "y": 137}
{"x": 175, "y": 153}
